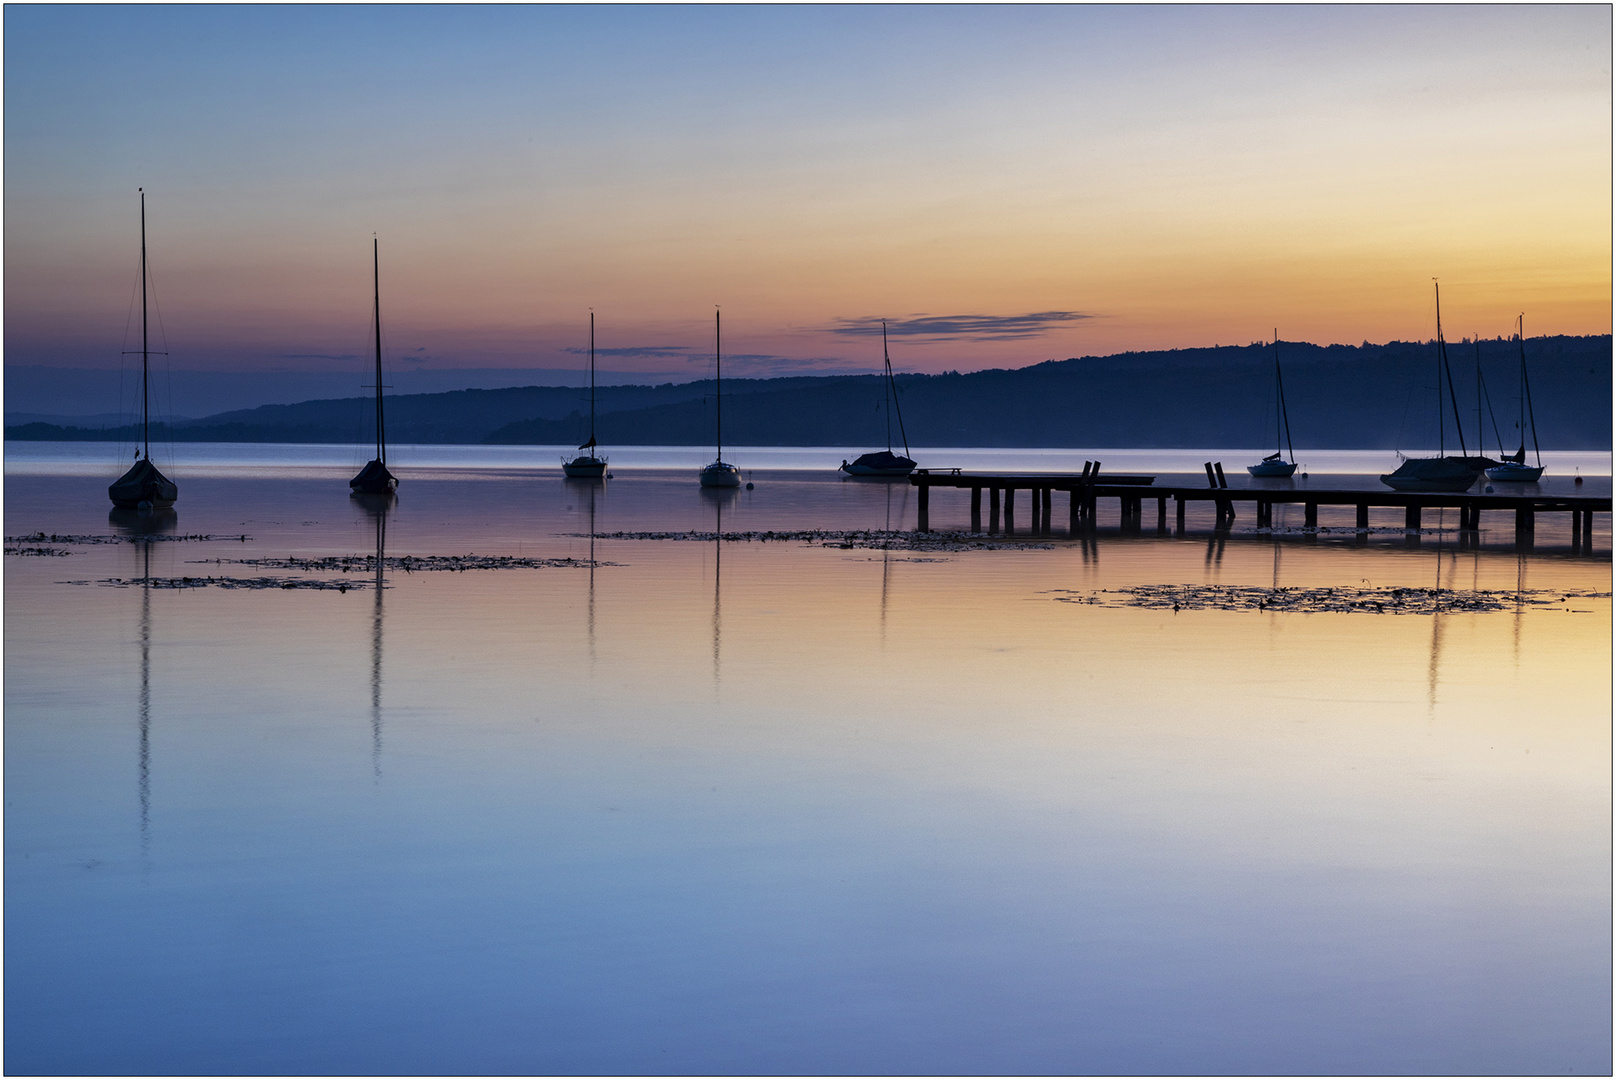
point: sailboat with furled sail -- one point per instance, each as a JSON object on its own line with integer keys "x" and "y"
{"x": 143, "y": 487}
{"x": 719, "y": 474}
{"x": 1275, "y": 465}
{"x": 1444, "y": 472}
{"x": 587, "y": 466}
{"x": 1514, "y": 469}
{"x": 374, "y": 479}
{"x": 885, "y": 462}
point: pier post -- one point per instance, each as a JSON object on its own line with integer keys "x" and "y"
{"x": 993, "y": 509}
{"x": 1363, "y": 515}
{"x": 1180, "y": 515}
{"x": 1411, "y": 518}
{"x": 1587, "y": 531}
{"x": 1161, "y": 515}
{"x": 1211, "y": 478}
{"x": 924, "y": 524}
{"x": 1576, "y": 530}
{"x": 1525, "y": 526}
{"x": 976, "y": 508}
{"x": 1049, "y": 506}
{"x": 1032, "y": 510}
{"x": 1009, "y": 510}
{"x": 1310, "y": 515}
{"x": 1077, "y": 510}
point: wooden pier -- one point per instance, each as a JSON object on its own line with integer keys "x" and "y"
{"x": 1084, "y": 491}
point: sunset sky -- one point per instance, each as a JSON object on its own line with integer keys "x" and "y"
{"x": 1005, "y": 184}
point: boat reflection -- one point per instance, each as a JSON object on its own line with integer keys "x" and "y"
{"x": 128, "y": 521}
{"x": 377, "y": 507}
{"x": 719, "y": 498}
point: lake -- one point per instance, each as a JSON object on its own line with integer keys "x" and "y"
{"x": 569, "y": 794}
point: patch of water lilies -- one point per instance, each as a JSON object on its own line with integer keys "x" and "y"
{"x": 409, "y": 564}
{"x": 90, "y": 538}
{"x": 322, "y": 584}
{"x": 878, "y": 539}
{"x": 1384, "y": 600}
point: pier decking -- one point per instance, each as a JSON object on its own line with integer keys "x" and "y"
{"x": 1084, "y": 492}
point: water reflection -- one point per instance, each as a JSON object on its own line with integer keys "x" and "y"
{"x": 377, "y": 507}
{"x": 128, "y": 521}
{"x": 145, "y": 700}
{"x": 720, "y": 498}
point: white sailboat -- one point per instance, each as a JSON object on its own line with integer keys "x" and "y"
{"x": 587, "y": 466}
{"x": 1274, "y": 464}
{"x": 143, "y": 487}
{"x": 374, "y": 479}
{"x": 885, "y": 462}
{"x": 1514, "y": 468}
{"x": 719, "y": 474}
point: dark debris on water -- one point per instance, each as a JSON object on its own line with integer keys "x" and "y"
{"x": 878, "y": 539}
{"x": 87, "y": 538}
{"x": 321, "y": 584}
{"x": 1385, "y": 600}
{"x": 409, "y": 564}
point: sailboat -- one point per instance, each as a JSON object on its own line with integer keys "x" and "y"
{"x": 719, "y": 474}
{"x": 1274, "y": 464}
{"x": 885, "y": 462}
{"x": 1514, "y": 468}
{"x": 1443, "y": 472}
{"x": 143, "y": 487}
{"x": 587, "y": 466}
{"x": 374, "y": 479}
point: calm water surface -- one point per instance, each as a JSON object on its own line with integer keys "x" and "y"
{"x": 753, "y": 807}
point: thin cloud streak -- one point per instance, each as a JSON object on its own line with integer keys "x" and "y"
{"x": 963, "y": 327}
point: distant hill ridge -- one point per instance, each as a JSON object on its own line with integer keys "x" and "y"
{"x": 1338, "y": 396}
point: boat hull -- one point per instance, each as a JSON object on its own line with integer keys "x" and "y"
{"x": 143, "y": 486}
{"x": 373, "y": 479}
{"x": 1434, "y": 474}
{"x": 879, "y": 463}
{"x": 720, "y": 475}
{"x": 1513, "y": 473}
{"x": 584, "y": 468}
{"x": 1273, "y": 468}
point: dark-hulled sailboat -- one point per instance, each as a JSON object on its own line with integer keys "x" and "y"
{"x": 587, "y": 466}
{"x": 719, "y": 474}
{"x": 1274, "y": 464}
{"x": 143, "y": 487}
{"x": 1443, "y": 472}
{"x": 885, "y": 462}
{"x": 1514, "y": 469}
{"x": 374, "y": 479}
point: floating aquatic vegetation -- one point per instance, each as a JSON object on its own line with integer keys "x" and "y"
{"x": 408, "y": 564}
{"x": 83, "y": 539}
{"x": 45, "y": 551}
{"x": 879, "y": 539}
{"x": 1384, "y": 600}
{"x": 323, "y": 584}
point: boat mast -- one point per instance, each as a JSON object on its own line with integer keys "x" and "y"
{"x": 718, "y": 381}
{"x": 376, "y": 277}
{"x": 591, "y": 383}
{"x": 887, "y": 396}
{"x": 1279, "y": 385}
{"x": 1526, "y": 388}
{"x": 892, "y": 385}
{"x": 1442, "y": 366}
{"x": 145, "y": 353}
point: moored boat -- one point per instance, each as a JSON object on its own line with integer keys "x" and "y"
{"x": 1444, "y": 472}
{"x": 374, "y": 478}
{"x": 143, "y": 487}
{"x": 587, "y": 466}
{"x": 720, "y": 473}
{"x": 885, "y": 462}
{"x": 1513, "y": 469}
{"x": 1275, "y": 465}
